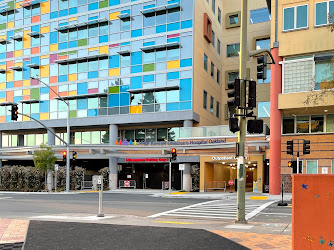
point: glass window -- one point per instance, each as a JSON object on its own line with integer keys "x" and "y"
{"x": 332, "y": 166}
{"x": 129, "y": 135}
{"x": 232, "y": 76}
{"x": 303, "y": 124}
{"x": 160, "y": 97}
{"x": 148, "y": 98}
{"x": 162, "y": 134}
{"x": 232, "y": 50}
{"x": 86, "y": 138}
{"x": 330, "y": 123}
{"x": 214, "y": 6}
{"x": 217, "y": 109}
{"x": 173, "y": 134}
{"x": 213, "y": 39}
{"x": 205, "y": 99}
{"x": 297, "y": 76}
{"x": 317, "y": 123}
{"x": 264, "y": 109}
{"x": 212, "y": 70}
{"x": 151, "y": 135}
{"x": 218, "y": 46}
{"x": 205, "y": 62}
{"x": 173, "y": 96}
{"x": 218, "y": 76}
{"x": 136, "y": 99}
{"x": 323, "y": 74}
{"x": 301, "y": 20}
{"x": 259, "y": 16}
{"x": 311, "y": 167}
{"x": 233, "y": 19}
{"x": 173, "y": 16}
{"x": 140, "y": 134}
{"x": 211, "y": 104}
{"x": 219, "y": 16}
{"x": 96, "y": 137}
{"x": 263, "y": 43}
{"x": 288, "y": 125}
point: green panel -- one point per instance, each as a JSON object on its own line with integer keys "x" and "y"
{"x": 62, "y": 54}
{"x": 103, "y": 4}
{"x": 11, "y": 4}
{"x": 34, "y": 94}
{"x": 18, "y": 30}
{"x": 148, "y": 67}
{"x": 114, "y": 90}
{"x": 72, "y": 52}
{"x": 82, "y": 42}
{"x": 73, "y": 113}
{"x": 3, "y": 26}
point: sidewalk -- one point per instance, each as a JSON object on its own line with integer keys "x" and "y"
{"x": 13, "y": 231}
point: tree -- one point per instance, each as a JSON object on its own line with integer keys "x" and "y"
{"x": 44, "y": 159}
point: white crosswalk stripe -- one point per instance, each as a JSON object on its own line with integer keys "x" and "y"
{"x": 217, "y": 209}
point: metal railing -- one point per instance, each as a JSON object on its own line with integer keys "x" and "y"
{"x": 86, "y": 185}
{"x": 215, "y": 185}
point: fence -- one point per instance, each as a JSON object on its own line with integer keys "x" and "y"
{"x": 215, "y": 185}
{"x": 86, "y": 185}
{"x": 127, "y": 184}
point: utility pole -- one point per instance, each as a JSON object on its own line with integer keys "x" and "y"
{"x": 241, "y": 172}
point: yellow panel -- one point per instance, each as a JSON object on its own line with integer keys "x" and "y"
{"x": 3, "y": 37}
{"x": 26, "y": 83}
{"x": 3, "y": 67}
{"x": 10, "y": 76}
{"x": 113, "y": 16}
{"x": 26, "y": 118}
{"x": 53, "y": 47}
{"x": 45, "y": 29}
{"x": 45, "y": 7}
{"x": 18, "y": 53}
{"x": 104, "y": 49}
{"x": 135, "y": 109}
{"x": 10, "y": 25}
{"x": 114, "y": 72}
{"x": 18, "y": 64}
{"x": 45, "y": 56}
{"x": 26, "y": 39}
{"x": 2, "y": 85}
{"x": 72, "y": 19}
{"x": 74, "y": 92}
{"x": 72, "y": 77}
{"x": 17, "y": 5}
{"x": 2, "y": 99}
{"x": 92, "y": 49}
{"x": 44, "y": 116}
{"x": 26, "y": 92}
{"x": 258, "y": 198}
{"x": 45, "y": 71}
{"x": 173, "y": 64}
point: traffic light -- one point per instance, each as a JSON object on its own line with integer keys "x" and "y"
{"x": 234, "y": 124}
{"x": 173, "y": 152}
{"x": 255, "y": 126}
{"x": 234, "y": 93}
{"x": 290, "y": 164}
{"x": 252, "y": 94}
{"x": 14, "y": 112}
{"x": 74, "y": 156}
{"x": 293, "y": 165}
{"x": 262, "y": 67}
{"x": 64, "y": 155}
{"x": 289, "y": 147}
{"x": 306, "y": 147}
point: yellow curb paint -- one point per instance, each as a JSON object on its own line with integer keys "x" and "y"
{"x": 258, "y": 198}
{"x": 173, "y": 222}
{"x": 180, "y": 193}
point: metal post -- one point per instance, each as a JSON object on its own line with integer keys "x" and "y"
{"x": 181, "y": 179}
{"x": 298, "y": 160}
{"x": 56, "y": 170}
{"x": 241, "y": 172}
{"x": 170, "y": 176}
{"x": 68, "y": 149}
{"x": 100, "y": 214}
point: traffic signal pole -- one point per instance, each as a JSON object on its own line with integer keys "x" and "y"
{"x": 241, "y": 172}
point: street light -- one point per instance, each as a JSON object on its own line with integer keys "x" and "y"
{"x": 68, "y": 134}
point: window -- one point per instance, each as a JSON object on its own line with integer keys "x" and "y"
{"x": 232, "y": 50}
{"x": 232, "y": 76}
{"x": 330, "y": 123}
{"x": 332, "y": 167}
{"x": 205, "y": 99}
{"x": 323, "y": 74}
{"x": 259, "y": 16}
{"x": 262, "y": 43}
{"x": 219, "y": 15}
{"x": 233, "y": 19}
{"x": 205, "y": 62}
{"x": 324, "y": 12}
{"x": 288, "y": 125}
{"x": 263, "y": 109}
{"x": 311, "y": 167}
{"x": 317, "y": 123}
{"x": 211, "y": 104}
{"x": 295, "y": 17}
{"x": 212, "y": 70}
{"x": 213, "y": 39}
{"x": 218, "y": 76}
{"x": 217, "y": 109}
{"x": 207, "y": 28}
{"x": 218, "y": 46}
{"x": 303, "y": 124}
{"x": 214, "y": 6}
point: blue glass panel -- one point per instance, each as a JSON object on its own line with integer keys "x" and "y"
{"x": 125, "y": 99}
{"x": 173, "y": 75}
{"x": 160, "y": 29}
{"x": 124, "y": 88}
{"x": 136, "y": 69}
{"x": 125, "y": 12}
{"x": 9, "y": 85}
{"x": 8, "y": 118}
{"x": 62, "y": 46}
{"x": 186, "y": 24}
{"x": 72, "y": 11}
{"x": 44, "y": 106}
{"x": 103, "y": 39}
{"x": 10, "y": 33}
{"x": 149, "y": 43}
{"x": 113, "y": 100}
{"x": 301, "y": 16}
{"x": 82, "y": 104}
{"x": 264, "y": 109}
{"x": 44, "y": 90}
{"x": 259, "y": 15}
{"x": 63, "y": 13}
{"x": 148, "y": 78}
{"x": 17, "y": 99}
{"x": 53, "y": 14}
{"x": 93, "y": 74}
{"x": 82, "y": 88}
{"x": 114, "y": 61}
{"x": 73, "y": 44}
{"x": 93, "y": 6}
{"x": 35, "y": 28}
{"x": 53, "y": 37}
{"x": 186, "y": 62}
{"x": 3, "y": 56}
{"x": 126, "y": 43}
{"x": 2, "y": 94}
{"x": 114, "y": 2}
{"x": 136, "y": 58}
{"x": 62, "y": 78}
{"x": 93, "y": 18}
{"x": 185, "y": 105}
{"x": 26, "y": 71}
{"x": 321, "y": 13}
{"x": 172, "y": 106}
{"x": 92, "y": 112}
{"x": 173, "y": 26}
{"x": 172, "y": 40}
{"x": 185, "y": 89}
{"x": 136, "y": 82}
{"x": 35, "y": 59}
{"x": 289, "y": 18}
{"x": 136, "y": 33}
{"x": 36, "y": 116}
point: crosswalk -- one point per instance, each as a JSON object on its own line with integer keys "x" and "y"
{"x": 217, "y": 209}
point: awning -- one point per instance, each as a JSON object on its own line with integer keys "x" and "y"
{"x": 84, "y": 58}
{"x": 173, "y": 87}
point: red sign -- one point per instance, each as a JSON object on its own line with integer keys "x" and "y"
{"x": 126, "y": 183}
{"x": 166, "y": 184}
{"x": 147, "y": 160}
{"x": 230, "y": 182}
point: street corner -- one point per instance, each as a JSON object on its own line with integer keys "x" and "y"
{"x": 13, "y": 233}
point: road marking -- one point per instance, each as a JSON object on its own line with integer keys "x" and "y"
{"x": 62, "y": 217}
{"x": 278, "y": 214}
{"x": 180, "y": 193}
{"x": 3, "y": 198}
{"x": 174, "y": 222}
{"x": 239, "y": 226}
{"x": 258, "y": 198}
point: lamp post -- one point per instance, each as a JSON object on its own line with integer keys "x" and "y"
{"x": 68, "y": 134}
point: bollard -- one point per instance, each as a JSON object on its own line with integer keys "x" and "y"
{"x": 100, "y": 186}
{"x": 282, "y": 204}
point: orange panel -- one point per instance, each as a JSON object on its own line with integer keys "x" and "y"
{"x": 9, "y": 96}
{"x": 2, "y": 119}
{"x": 62, "y": 57}
{"x": 53, "y": 95}
{"x": 62, "y": 93}
{"x": 35, "y": 19}
{"x": 17, "y": 84}
{"x": 53, "y": 79}
{"x": 35, "y": 50}
{"x": 26, "y": 97}
{"x": 9, "y": 64}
